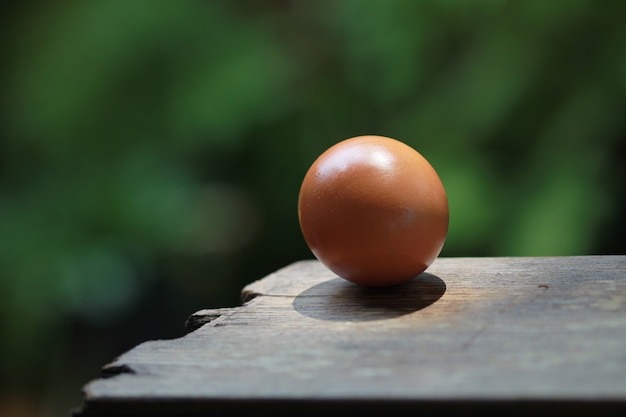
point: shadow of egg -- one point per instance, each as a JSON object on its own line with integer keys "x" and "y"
{"x": 340, "y": 300}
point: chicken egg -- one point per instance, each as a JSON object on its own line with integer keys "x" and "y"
{"x": 373, "y": 210}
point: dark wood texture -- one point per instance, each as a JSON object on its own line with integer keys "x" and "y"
{"x": 515, "y": 335}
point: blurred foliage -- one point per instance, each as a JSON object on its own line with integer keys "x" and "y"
{"x": 151, "y": 151}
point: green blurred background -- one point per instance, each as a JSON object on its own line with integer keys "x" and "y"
{"x": 151, "y": 152}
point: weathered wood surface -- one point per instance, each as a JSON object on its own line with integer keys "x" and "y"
{"x": 499, "y": 334}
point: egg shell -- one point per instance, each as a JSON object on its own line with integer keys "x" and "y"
{"x": 373, "y": 210}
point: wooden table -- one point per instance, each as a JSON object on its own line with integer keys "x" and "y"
{"x": 471, "y": 335}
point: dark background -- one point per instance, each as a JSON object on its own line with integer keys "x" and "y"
{"x": 151, "y": 152}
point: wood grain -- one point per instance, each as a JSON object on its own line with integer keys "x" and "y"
{"x": 472, "y": 334}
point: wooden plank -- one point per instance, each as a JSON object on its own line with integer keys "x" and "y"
{"x": 481, "y": 334}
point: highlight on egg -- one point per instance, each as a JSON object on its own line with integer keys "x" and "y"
{"x": 373, "y": 210}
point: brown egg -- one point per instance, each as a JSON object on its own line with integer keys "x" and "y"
{"x": 373, "y": 210}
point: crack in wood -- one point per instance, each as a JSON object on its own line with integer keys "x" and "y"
{"x": 202, "y": 317}
{"x": 109, "y": 371}
{"x": 470, "y": 340}
{"x": 248, "y": 295}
